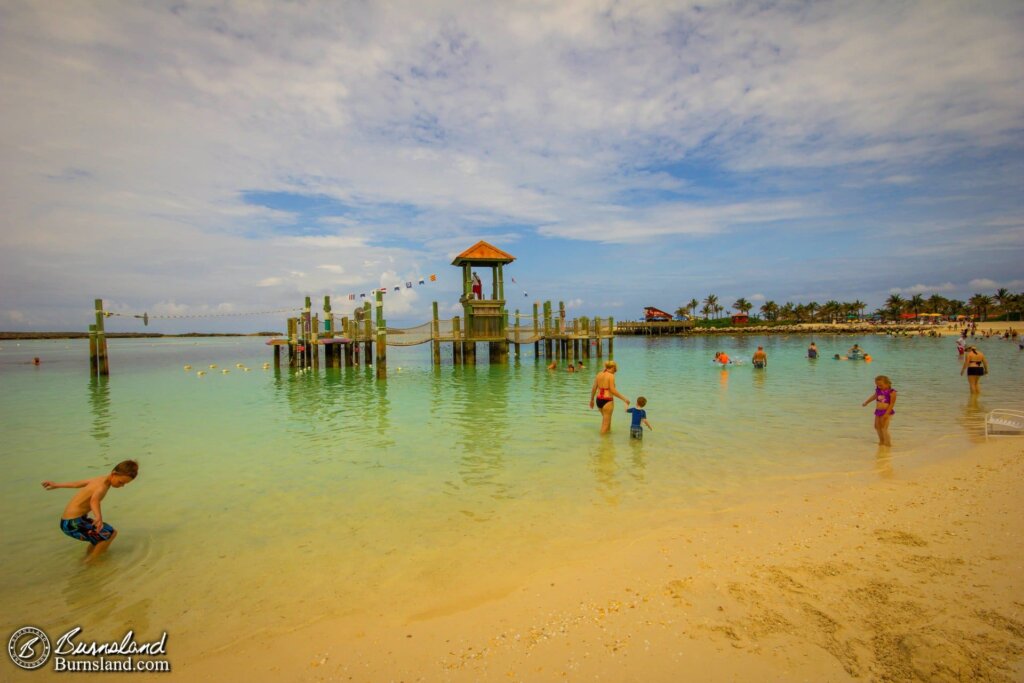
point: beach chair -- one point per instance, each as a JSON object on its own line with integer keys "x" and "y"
{"x": 1003, "y": 422}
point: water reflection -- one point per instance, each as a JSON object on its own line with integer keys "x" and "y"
{"x": 479, "y": 406}
{"x": 99, "y": 405}
{"x": 606, "y": 469}
{"x": 973, "y": 418}
{"x": 883, "y": 462}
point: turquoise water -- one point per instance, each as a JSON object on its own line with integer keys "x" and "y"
{"x": 283, "y": 498}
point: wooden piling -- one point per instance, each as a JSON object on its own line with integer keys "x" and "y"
{"x": 536, "y": 322}
{"x": 516, "y": 337}
{"x": 435, "y": 334}
{"x": 382, "y": 340}
{"x": 597, "y": 336}
{"x": 102, "y": 360}
{"x": 277, "y": 357}
{"x": 368, "y": 333}
{"x": 611, "y": 338}
{"x": 94, "y": 365}
{"x": 457, "y": 356}
{"x": 345, "y": 332}
{"x": 547, "y": 329}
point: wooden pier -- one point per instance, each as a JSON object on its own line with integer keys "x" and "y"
{"x": 654, "y": 327}
{"x": 484, "y": 321}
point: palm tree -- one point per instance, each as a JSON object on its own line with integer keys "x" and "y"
{"x": 830, "y": 310}
{"x": 858, "y": 306}
{"x": 1002, "y": 296}
{"x": 894, "y": 305}
{"x": 770, "y": 310}
{"x": 718, "y": 310}
{"x": 811, "y": 308}
{"x": 706, "y": 310}
{"x": 916, "y": 303}
{"x": 979, "y": 303}
{"x": 936, "y": 303}
{"x": 786, "y": 312}
{"x": 682, "y": 312}
{"x": 711, "y": 302}
{"x": 692, "y": 305}
{"x": 800, "y": 312}
{"x": 742, "y": 305}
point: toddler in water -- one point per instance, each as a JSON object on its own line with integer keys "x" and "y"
{"x": 884, "y": 398}
{"x": 75, "y": 521}
{"x": 639, "y": 417}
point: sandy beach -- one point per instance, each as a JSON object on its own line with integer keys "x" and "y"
{"x": 913, "y": 574}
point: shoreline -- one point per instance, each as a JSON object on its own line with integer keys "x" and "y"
{"x": 913, "y": 576}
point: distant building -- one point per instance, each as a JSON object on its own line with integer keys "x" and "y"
{"x": 740, "y": 319}
{"x": 652, "y": 314}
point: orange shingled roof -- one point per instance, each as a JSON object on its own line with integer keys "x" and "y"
{"x": 482, "y": 251}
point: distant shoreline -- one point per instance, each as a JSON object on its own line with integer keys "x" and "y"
{"x": 129, "y": 335}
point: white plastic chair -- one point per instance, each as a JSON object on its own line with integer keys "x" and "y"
{"x": 1003, "y": 422}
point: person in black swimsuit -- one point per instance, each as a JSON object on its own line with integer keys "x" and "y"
{"x": 976, "y": 367}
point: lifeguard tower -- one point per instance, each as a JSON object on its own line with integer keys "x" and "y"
{"x": 484, "y": 310}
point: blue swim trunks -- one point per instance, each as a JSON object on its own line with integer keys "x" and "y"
{"x": 636, "y": 432}
{"x": 83, "y": 529}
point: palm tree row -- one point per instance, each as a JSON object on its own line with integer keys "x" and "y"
{"x": 979, "y": 305}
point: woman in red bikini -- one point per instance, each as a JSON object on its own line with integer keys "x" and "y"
{"x": 603, "y": 394}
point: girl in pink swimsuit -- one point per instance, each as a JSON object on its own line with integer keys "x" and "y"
{"x": 884, "y": 398}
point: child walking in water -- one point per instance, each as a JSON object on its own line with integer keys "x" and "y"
{"x": 76, "y": 523}
{"x": 884, "y": 398}
{"x": 639, "y": 417}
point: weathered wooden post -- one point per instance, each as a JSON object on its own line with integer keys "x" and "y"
{"x": 314, "y": 338}
{"x": 611, "y": 338}
{"x": 536, "y": 330}
{"x": 516, "y": 337}
{"x": 597, "y": 336}
{"x": 457, "y": 357}
{"x": 346, "y": 332}
{"x": 367, "y": 333}
{"x": 94, "y": 365}
{"x": 103, "y": 361}
{"x": 329, "y": 348}
{"x": 382, "y": 339}
{"x": 277, "y": 356}
{"x": 435, "y": 336}
{"x": 293, "y": 339}
{"x": 547, "y": 330}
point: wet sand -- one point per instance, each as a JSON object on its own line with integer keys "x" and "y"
{"x": 916, "y": 574}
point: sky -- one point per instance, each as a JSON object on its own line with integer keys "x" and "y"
{"x": 211, "y": 158}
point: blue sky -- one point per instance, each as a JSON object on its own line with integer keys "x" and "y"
{"x": 195, "y": 158}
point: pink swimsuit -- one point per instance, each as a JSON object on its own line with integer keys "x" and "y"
{"x": 883, "y": 396}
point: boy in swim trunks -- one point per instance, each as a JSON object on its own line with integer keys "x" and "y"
{"x": 639, "y": 417}
{"x": 760, "y": 359}
{"x": 884, "y": 398}
{"x": 76, "y": 523}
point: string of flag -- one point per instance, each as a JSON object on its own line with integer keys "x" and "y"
{"x": 397, "y": 288}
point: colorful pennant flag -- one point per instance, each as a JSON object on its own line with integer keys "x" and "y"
{"x": 397, "y": 288}
{"x": 363, "y": 295}
{"x": 433, "y": 278}
{"x": 422, "y": 281}
{"x": 408, "y": 285}
{"x": 351, "y": 297}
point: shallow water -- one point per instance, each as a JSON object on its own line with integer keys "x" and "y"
{"x": 284, "y": 498}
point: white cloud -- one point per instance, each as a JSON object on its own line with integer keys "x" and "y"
{"x": 983, "y": 283}
{"x": 132, "y": 133}
{"x": 757, "y": 297}
{"x": 332, "y": 268}
{"x": 922, "y": 289}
